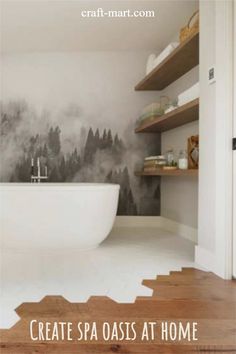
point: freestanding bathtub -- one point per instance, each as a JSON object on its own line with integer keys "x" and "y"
{"x": 56, "y": 215}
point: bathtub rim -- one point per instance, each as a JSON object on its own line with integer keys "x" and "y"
{"x": 67, "y": 186}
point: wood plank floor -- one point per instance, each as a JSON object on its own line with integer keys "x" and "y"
{"x": 187, "y": 296}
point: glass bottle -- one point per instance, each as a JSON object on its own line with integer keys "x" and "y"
{"x": 183, "y": 160}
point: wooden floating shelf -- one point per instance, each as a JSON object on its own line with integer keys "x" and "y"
{"x": 179, "y": 116}
{"x": 179, "y": 62}
{"x": 183, "y": 173}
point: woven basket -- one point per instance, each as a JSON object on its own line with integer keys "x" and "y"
{"x": 191, "y": 28}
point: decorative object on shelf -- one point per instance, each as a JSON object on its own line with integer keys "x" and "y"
{"x": 154, "y": 162}
{"x": 173, "y": 104}
{"x": 145, "y": 120}
{"x": 150, "y": 63}
{"x": 170, "y": 157}
{"x": 189, "y": 95}
{"x": 193, "y": 151}
{"x": 179, "y": 62}
{"x": 164, "y": 101}
{"x": 152, "y": 110}
{"x": 191, "y": 27}
{"x": 179, "y": 116}
{"x": 183, "y": 160}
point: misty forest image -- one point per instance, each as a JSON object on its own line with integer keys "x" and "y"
{"x": 95, "y": 155}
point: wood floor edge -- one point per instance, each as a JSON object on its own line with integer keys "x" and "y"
{"x": 184, "y": 296}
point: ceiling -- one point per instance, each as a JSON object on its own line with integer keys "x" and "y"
{"x": 57, "y": 25}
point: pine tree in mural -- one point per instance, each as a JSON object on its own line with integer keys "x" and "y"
{"x": 108, "y": 178}
{"x": 54, "y": 141}
{"x": 109, "y": 140}
{"x": 89, "y": 147}
{"x": 157, "y": 192}
{"x": 103, "y": 140}
{"x": 22, "y": 171}
{"x": 131, "y": 207}
{"x": 127, "y": 205}
{"x": 122, "y": 207}
{"x": 118, "y": 144}
{"x": 116, "y": 140}
{"x": 118, "y": 149}
{"x": 33, "y": 141}
{"x": 73, "y": 164}
{"x": 125, "y": 177}
{"x": 97, "y": 138}
{"x": 11, "y": 115}
{"x": 54, "y": 175}
{"x": 63, "y": 169}
{"x": 45, "y": 151}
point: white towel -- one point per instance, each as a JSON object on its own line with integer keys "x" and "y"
{"x": 153, "y": 61}
{"x": 165, "y": 53}
{"x": 189, "y": 95}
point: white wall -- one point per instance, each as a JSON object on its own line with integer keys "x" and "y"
{"x": 234, "y": 157}
{"x": 207, "y": 127}
{"x": 179, "y": 196}
{"x": 98, "y": 82}
{"x": 215, "y": 180}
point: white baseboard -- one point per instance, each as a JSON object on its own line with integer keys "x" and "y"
{"x": 205, "y": 258}
{"x": 160, "y": 222}
{"x": 210, "y": 261}
{"x": 138, "y": 221}
{"x": 182, "y": 230}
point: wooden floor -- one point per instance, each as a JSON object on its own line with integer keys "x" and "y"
{"x": 187, "y": 296}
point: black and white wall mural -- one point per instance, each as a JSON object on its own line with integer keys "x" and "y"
{"x": 78, "y": 140}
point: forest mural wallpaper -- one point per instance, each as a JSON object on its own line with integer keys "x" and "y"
{"x": 76, "y": 148}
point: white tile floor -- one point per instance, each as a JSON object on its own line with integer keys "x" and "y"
{"x": 115, "y": 269}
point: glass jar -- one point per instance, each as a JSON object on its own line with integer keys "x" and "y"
{"x": 183, "y": 160}
{"x": 164, "y": 102}
{"x": 170, "y": 158}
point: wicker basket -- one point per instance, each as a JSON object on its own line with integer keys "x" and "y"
{"x": 191, "y": 28}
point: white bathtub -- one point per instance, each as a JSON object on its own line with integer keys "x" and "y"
{"x": 56, "y": 215}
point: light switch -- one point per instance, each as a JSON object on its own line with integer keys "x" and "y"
{"x": 211, "y": 75}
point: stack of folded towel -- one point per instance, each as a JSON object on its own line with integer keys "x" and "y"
{"x": 154, "y": 162}
{"x": 189, "y": 95}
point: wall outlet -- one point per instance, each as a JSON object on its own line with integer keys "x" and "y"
{"x": 211, "y": 75}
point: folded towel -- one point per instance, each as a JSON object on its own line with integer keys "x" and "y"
{"x": 151, "y": 163}
{"x": 150, "y": 169}
{"x": 165, "y": 53}
{"x": 154, "y": 163}
{"x": 158, "y": 157}
{"x": 191, "y": 94}
{"x": 150, "y": 63}
{"x": 153, "y": 61}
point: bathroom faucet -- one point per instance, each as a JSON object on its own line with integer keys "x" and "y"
{"x": 37, "y": 178}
